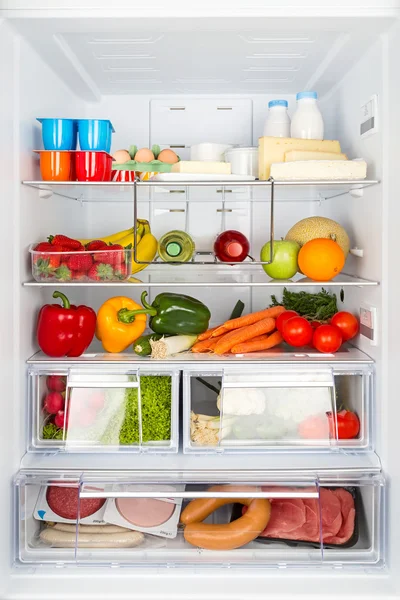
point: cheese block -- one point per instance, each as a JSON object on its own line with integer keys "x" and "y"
{"x": 201, "y": 167}
{"x": 317, "y": 170}
{"x": 294, "y": 155}
{"x": 273, "y": 150}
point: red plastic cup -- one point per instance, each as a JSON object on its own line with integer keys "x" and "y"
{"x": 122, "y": 176}
{"x": 92, "y": 166}
{"x": 107, "y": 174}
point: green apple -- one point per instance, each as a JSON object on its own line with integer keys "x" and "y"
{"x": 284, "y": 263}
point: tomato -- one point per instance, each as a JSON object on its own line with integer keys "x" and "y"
{"x": 285, "y": 316}
{"x": 297, "y": 332}
{"x": 348, "y": 425}
{"x": 316, "y": 427}
{"x": 327, "y": 339}
{"x": 347, "y": 323}
{"x": 315, "y": 324}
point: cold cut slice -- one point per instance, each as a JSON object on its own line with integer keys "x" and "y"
{"x": 331, "y": 513}
{"x": 348, "y": 513}
{"x": 64, "y": 502}
{"x": 287, "y": 515}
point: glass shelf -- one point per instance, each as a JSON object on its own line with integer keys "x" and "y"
{"x": 110, "y": 191}
{"x": 192, "y": 275}
{"x": 282, "y": 355}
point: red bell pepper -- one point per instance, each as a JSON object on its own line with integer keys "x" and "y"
{"x": 65, "y": 330}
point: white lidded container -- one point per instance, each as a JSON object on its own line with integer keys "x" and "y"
{"x": 307, "y": 121}
{"x": 244, "y": 161}
{"x": 209, "y": 151}
{"x": 277, "y": 123}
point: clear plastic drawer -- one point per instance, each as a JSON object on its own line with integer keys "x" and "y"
{"x": 106, "y": 409}
{"x": 323, "y": 407}
{"x": 273, "y": 521}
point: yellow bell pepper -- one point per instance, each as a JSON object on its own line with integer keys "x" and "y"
{"x": 120, "y": 321}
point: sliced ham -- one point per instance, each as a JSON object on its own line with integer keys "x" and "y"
{"x": 349, "y": 515}
{"x": 299, "y": 519}
{"x": 331, "y": 513}
{"x": 287, "y": 515}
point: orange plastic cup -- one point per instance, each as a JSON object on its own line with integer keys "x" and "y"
{"x": 55, "y": 165}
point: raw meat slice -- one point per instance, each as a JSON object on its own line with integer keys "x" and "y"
{"x": 331, "y": 513}
{"x": 287, "y": 515}
{"x": 310, "y": 531}
{"x": 348, "y": 513}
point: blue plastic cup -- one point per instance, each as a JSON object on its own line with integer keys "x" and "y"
{"x": 58, "y": 134}
{"x": 95, "y": 134}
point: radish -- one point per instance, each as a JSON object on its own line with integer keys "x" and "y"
{"x": 96, "y": 401}
{"x": 53, "y": 402}
{"x": 55, "y": 383}
{"x": 59, "y": 419}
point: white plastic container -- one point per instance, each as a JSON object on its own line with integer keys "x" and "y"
{"x": 244, "y": 161}
{"x": 307, "y": 122}
{"x": 209, "y": 151}
{"x": 278, "y": 120}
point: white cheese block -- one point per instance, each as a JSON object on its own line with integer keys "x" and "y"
{"x": 317, "y": 170}
{"x": 273, "y": 150}
{"x": 201, "y": 167}
{"x": 295, "y": 155}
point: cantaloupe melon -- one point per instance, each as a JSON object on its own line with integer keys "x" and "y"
{"x": 319, "y": 227}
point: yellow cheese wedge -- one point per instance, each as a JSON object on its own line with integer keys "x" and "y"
{"x": 273, "y": 150}
{"x": 295, "y": 155}
{"x": 201, "y": 167}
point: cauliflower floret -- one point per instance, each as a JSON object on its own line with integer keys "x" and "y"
{"x": 241, "y": 401}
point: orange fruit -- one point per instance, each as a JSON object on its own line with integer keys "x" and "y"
{"x": 321, "y": 259}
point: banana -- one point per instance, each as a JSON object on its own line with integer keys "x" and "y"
{"x": 146, "y": 250}
{"x": 109, "y": 238}
{"x": 142, "y": 226}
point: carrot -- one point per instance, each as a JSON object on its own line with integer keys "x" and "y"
{"x": 218, "y": 331}
{"x": 207, "y": 334}
{"x": 250, "y": 319}
{"x": 205, "y": 345}
{"x": 255, "y": 345}
{"x": 237, "y": 336}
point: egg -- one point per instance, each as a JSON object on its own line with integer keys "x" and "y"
{"x": 168, "y": 156}
{"x": 144, "y": 155}
{"x": 121, "y": 156}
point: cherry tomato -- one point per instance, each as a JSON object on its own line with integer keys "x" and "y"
{"x": 327, "y": 339}
{"x": 316, "y": 427}
{"x": 347, "y": 323}
{"x": 285, "y": 316}
{"x": 297, "y": 332}
{"x": 348, "y": 425}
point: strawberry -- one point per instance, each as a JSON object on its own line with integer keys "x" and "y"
{"x": 121, "y": 271}
{"x": 48, "y": 260}
{"x": 96, "y": 245}
{"x": 66, "y": 242}
{"x": 81, "y": 261}
{"x": 79, "y": 275}
{"x": 112, "y": 257}
{"x": 63, "y": 273}
{"x": 101, "y": 272}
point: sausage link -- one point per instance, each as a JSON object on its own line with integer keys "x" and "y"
{"x": 226, "y": 536}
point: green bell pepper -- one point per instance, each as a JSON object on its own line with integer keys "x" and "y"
{"x": 177, "y": 314}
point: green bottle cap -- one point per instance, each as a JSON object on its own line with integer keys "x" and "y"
{"x": 173, "y": 249}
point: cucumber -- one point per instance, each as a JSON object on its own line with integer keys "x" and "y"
{"x": 142, "y": 345}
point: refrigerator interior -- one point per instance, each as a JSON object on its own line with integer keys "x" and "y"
{"x": 73, "y": 67}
